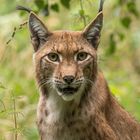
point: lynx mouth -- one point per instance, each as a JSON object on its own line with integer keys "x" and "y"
{"x": 68, "y": 90}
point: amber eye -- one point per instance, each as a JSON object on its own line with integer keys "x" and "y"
{"x": 81, "y": 56}
{"x": 53, "y": 57}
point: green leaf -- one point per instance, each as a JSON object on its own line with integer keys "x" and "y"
{"x": 121, "y": 36}
{"x": 55, "y": 7}
{"x": 126, "y": 22}
{"x": 131, "y": 6}
{"x": 65, "y": 3}
{"x": 112, "y": 45}
{"x": 39, "y": 3}
{"x": 81, "y": 12}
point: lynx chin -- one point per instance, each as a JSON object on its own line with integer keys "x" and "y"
{"x": 75, "y": 102}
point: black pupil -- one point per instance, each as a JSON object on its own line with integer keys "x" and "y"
{"x": 82, "y": 56}
{"x": 53, "y": 57}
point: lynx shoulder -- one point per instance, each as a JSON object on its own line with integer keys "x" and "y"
{"x": 75, "y": 102}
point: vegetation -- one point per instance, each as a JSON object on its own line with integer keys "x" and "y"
{"x": 118, "y": 52}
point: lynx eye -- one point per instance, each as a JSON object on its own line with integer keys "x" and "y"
{"x": 81, "y": 56}
{"x": 53, "y": 57}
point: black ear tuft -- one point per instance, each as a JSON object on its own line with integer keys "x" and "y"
{"x": 93, "y": 30}
{"x": 101, "y": 6}
{"x": 39, "y": 33}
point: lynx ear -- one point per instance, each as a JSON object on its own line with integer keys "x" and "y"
{"x": 93, "y": 30}
{"x": 39, "y": 33}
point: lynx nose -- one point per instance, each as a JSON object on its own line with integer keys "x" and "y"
{"x": 68, "y": 79}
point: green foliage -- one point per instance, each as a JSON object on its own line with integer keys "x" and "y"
{"x": 112, "y": 45}
{"x": 65, "y": 3}
{"x": 40, "y": 3}
{"x": 55, "y": 7}
{"x": 45, "y": 6}
{"x": 131, "y": 6}
{"x": 119, "y": 47}
{"x": 126, "y": 21}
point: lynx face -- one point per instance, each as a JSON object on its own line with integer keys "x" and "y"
{"x": 65, "y": 61}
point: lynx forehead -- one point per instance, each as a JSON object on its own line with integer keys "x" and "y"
{"x": 67, "y": 43}
{"x": 75, "y": 102}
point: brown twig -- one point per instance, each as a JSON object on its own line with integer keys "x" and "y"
{"x": 12, "y": 36}
{"x": 15, "y": 30}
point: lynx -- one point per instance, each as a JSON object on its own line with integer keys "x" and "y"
{"x": 75, "y": 102}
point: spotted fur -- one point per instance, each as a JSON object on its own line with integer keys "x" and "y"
{"x": 93, "y": 114}
{"x": 87, "y": 111}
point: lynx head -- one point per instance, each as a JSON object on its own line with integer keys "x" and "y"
{"x": 65, "y": 61}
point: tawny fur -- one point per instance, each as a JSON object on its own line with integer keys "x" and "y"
{"x": 89, "y": 113}
{"x": 96, "y": 115}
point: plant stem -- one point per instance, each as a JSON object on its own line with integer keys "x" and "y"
{"x": 3, "y": 105}
{"x": 83, "y": 16}
{"x": 15, "y": 119}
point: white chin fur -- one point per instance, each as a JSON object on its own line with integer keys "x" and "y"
{"x": 66, "y": 97}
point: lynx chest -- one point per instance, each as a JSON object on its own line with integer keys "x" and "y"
{"x": 71, "y": 130}
{"x": 56, "y": 123}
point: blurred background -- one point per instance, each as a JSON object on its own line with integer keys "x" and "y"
{"x": 119, "y": 56}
